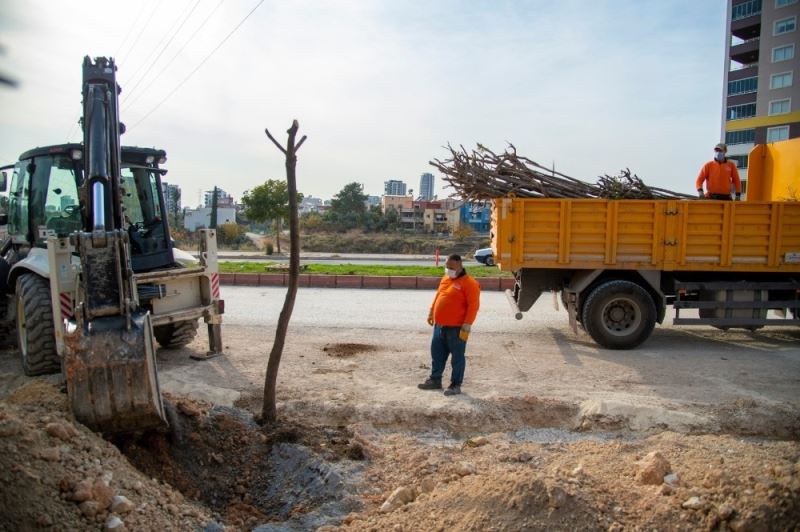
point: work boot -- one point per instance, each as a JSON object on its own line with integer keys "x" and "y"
{"x": 453, "y": 389}
{"x": 431, "y": 384}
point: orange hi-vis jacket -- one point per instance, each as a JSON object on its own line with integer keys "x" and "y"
{"x": 718, "y": 177}
{"x": 457, "y": 301}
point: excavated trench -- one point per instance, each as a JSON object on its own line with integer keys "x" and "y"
{"x": 305, "y": 474}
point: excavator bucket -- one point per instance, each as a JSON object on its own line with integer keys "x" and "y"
{"x": 110, "y": 370}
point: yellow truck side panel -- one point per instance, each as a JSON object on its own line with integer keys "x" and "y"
{"x": 646, "y": 234}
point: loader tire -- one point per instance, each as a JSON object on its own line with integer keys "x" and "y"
{"x": 619, "y": 315}
{"x": 36, "y": 337}
{"x": 175, "y": 335}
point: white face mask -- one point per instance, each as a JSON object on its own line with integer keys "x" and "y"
{"x": 450, "y": 273}
{"x": 719, "y": 156}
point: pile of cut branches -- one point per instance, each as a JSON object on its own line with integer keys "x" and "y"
{"x": 481, "y": 174}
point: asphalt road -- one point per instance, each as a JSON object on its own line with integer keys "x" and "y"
{"x": 696, "y": 378}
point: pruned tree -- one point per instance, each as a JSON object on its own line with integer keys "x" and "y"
{"x": 269, "y": 409}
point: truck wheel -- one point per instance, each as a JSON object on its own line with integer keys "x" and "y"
{"x": 619, "y": 315}
{"x": 175, "y": 335}
{"x": 36, "y": 337}
{"x": 490, "y": 261}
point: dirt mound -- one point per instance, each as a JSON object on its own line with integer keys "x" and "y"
{"x": 348, "y": 350}
{"x": 497, "y": 482}
{"x": 56, "y": 474}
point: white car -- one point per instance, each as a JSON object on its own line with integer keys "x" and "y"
{"x": 485, "y": 256}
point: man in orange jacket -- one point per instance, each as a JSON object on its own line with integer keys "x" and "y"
{"x": 719, "y": 175}
{"x": 452, "y": 313}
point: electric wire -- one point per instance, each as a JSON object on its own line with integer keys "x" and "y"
{"x": 166, "y": 35}
{"x": 193, "y": 72}
{"x": 141, "y": 31}
{"x": 130, "y": 103}
{"x": 130, "y": 29}
{"x": 164, "y": 48}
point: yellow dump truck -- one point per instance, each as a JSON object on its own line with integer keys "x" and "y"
{"x": 619, "y": 263}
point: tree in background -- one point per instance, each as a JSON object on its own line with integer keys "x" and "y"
{"x": 269, "y": 201}
{"x": 214, "y": 201}
{"x": 348, "y": 207}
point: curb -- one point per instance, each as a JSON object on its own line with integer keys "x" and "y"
{"x": 354, "y": 281}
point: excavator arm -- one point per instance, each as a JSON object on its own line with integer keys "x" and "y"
{"x": 109, "y": 355}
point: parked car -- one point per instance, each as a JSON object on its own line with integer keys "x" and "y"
{"x": 485, "y": 256}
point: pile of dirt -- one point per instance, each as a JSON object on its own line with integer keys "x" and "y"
{"x": 58, "y": 475}
{"x": 499, "y": 482}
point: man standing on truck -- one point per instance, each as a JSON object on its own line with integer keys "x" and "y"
{"x": 452, "y": 313}
{"x": 719, "y": 175}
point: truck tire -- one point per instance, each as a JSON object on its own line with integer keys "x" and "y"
{"x": 175, "y": 335}
{"x": 490, "y": 260}
{"x": 36, "y": 337}
{"x": 619, "y": 315}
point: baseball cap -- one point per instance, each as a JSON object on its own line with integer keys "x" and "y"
{"x": 721, "y": 147}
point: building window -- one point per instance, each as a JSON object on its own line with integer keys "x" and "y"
{"x": 737, "y": 112}
{"x": 780, "y": 107}
{"x": 783, "y": 53}
{"x": 740, "y": 160}
{"x": 746, "y": 9}
{"x": 785, "y": 25}
{"x": 743, "y": 136}
{"x": 780, "y": 81}
{"x": 742, "y": 86}
{"x": 783, "y": 3}
{"x": 774, "y": 134}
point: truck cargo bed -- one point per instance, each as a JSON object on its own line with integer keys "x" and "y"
{"x": 667, "y": 235}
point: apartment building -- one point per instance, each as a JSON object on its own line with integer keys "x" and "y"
{"x": 761, "y": 89}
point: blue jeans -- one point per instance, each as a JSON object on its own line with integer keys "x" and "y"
{"x": 445, "y": 342}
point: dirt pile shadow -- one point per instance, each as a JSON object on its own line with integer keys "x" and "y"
{"x": 292, "y": 475}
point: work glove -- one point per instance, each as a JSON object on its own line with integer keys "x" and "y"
{"x": 430, "y": 318}
{"x": 700, "y": 193}
{"x": 464, "y": 332}
{"x": 738, "y": 196}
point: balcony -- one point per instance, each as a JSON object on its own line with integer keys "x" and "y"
{"x": 746, "y": 52}
{"x": 746, "y": 19}
{"x": 742, "y": 71}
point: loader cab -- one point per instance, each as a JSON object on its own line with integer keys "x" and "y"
{"x": 44, "y": 201}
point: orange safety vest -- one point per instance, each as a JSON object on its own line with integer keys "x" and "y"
{"x": 457, "y": 301}
{"x": 718, "y": 177}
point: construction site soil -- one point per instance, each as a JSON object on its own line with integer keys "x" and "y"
{"x": 217, "y": 468}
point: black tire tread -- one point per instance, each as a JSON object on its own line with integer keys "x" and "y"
{"x": 595, "y": 329}
{"x": 42, "y": 358}
{"x": 176, "y": 335}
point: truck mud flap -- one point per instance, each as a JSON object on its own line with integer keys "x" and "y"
{"x": 110, "y": 370}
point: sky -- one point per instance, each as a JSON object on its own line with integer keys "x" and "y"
{"x": 378, "y": 86}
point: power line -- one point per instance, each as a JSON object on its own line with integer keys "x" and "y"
{"x": 173, "y": 91}
{"x": 164, "y": 37}
{"x": 141, "y": 31}
{"x": 128, "y": 104}
{"x": 130, "y": 29}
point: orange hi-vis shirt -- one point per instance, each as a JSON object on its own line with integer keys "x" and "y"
{"x": 457, "y": 301}
{"x": 718, "y": 177}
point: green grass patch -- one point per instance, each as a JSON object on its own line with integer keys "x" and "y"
{"x": 355, "y": 269}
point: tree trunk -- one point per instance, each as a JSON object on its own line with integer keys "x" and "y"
{"x": 269, "y": 411}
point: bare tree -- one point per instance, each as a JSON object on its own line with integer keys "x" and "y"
{"x": 269, "y": 411}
